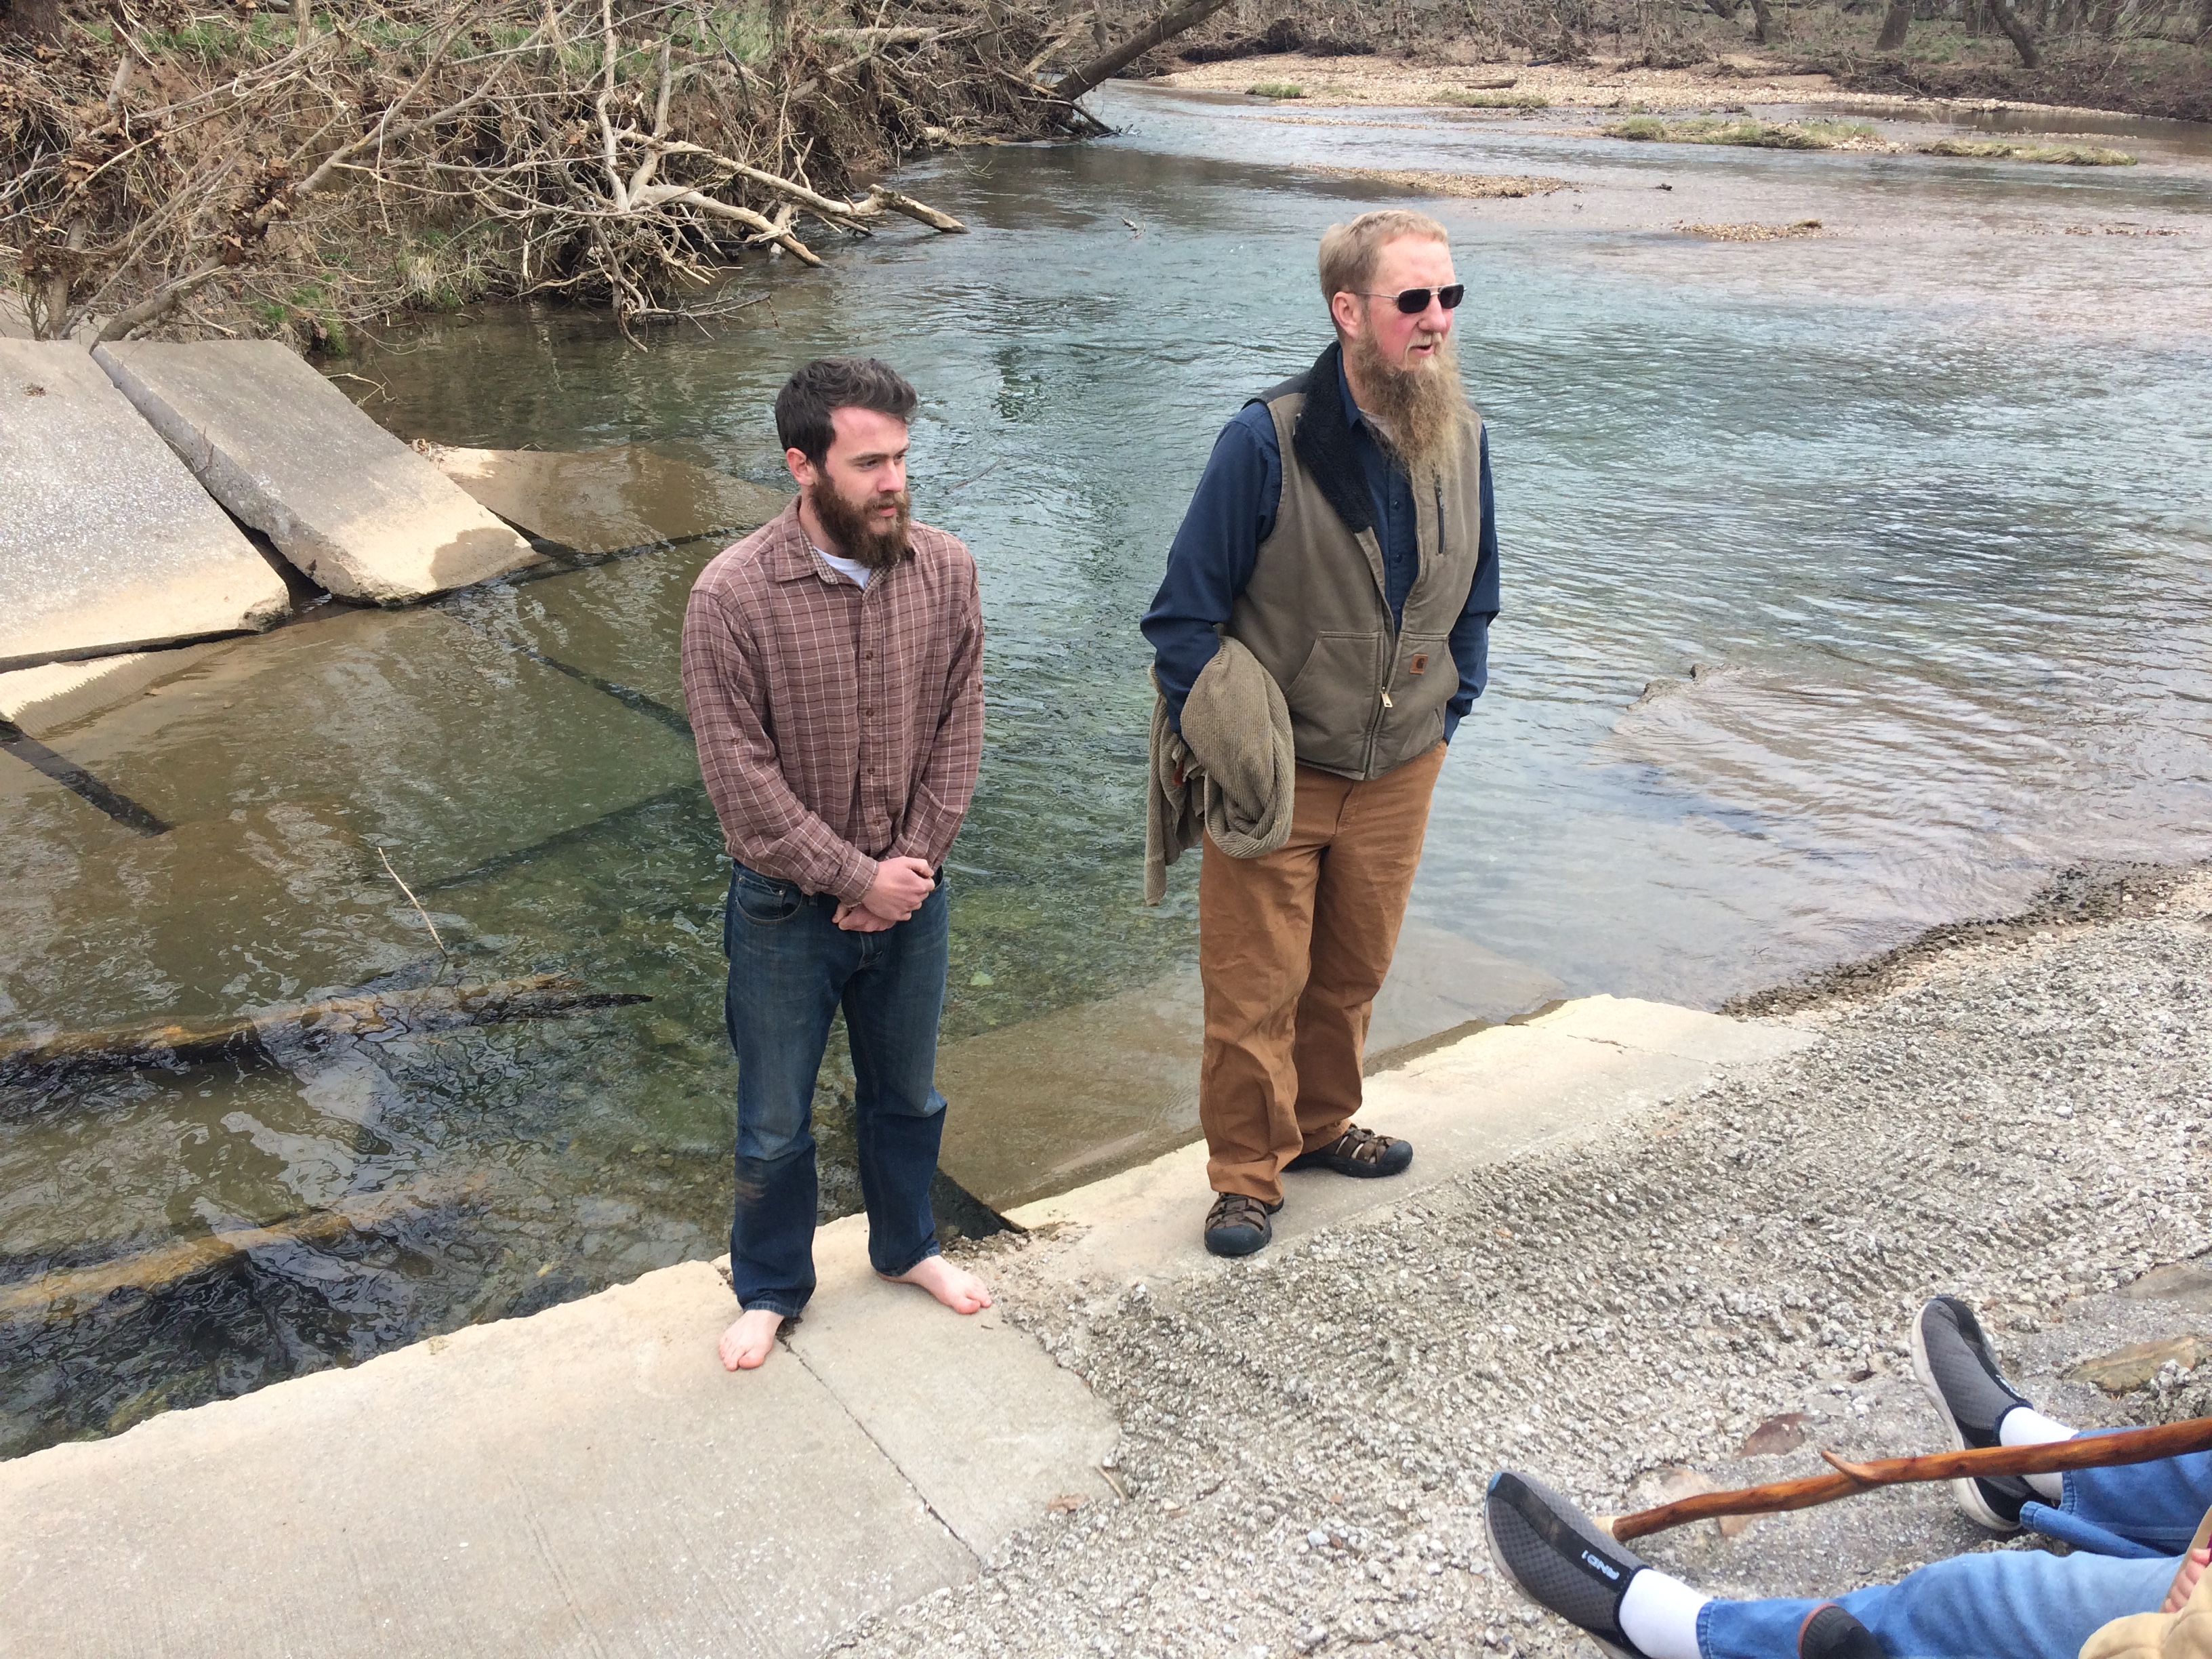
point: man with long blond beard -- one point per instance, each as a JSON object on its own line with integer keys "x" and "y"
{"x": 1343, "y": 534}
{"x": 833, "y": 669}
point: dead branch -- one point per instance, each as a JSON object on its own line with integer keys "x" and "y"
{"x": 613, "y": 154}
{"x": 1110, "y": 63}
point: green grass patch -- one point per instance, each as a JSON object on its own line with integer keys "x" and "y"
{"x": 1278, "y": 90}
{"x": 1747, "y": 131}
{"x": 1998, "y": 149}
{"x": 1494, "y": 100}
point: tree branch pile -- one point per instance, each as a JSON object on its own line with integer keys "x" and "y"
{"x": 337, "y": 163}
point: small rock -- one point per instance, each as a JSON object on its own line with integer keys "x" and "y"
{"x": 2125, "y": 1370}
{"x": 1776, "y": 1436}
{"x": 2178, "y": 1281}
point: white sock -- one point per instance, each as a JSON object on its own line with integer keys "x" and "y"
{"x": 1659, "y": 1614}
{"x": 2024, "y": 1425}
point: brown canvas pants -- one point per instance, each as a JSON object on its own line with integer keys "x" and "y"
{"x": 1292, "y": 947}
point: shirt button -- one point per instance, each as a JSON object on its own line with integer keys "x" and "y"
{"x": 869, "y": 656}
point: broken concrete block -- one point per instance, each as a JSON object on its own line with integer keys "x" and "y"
{"x": 105, "y": 540}
{"x": 605, "y": 501}
{"x": 286, "y": 451}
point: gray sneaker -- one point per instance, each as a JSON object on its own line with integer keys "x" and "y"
{"x": 1951, "y": 1358}
{"x": 1556, "y": 1557}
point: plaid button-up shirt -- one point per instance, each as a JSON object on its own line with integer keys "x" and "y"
{"x": 837, "y": 725}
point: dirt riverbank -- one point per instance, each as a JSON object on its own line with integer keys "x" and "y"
{"x": 1328, "y": 81}
{"x": 2011, "y": 1112}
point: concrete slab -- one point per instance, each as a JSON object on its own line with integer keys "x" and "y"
{"x": 430, "y": 741}
{"x": 619, "y": 622}
{"x": 605, "y": 501}
{"x": 1664, "y": 1028}
{"x": 28, "y": 693}
{"x": 1030, "y": 1433}
{"x": 1122, "y": 1074}
{"x": 105, "y": 538}
{"x": 351, "y": 506}
{"x": 1480, "y": 1100}
{"x": 588, "y": 1480}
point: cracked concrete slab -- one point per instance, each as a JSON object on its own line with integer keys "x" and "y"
{"x": 1122, "y": 1072}
{"x": 983, "y": 1422}
{"x": 1479, "y": 1100}
{"x": 588, "y": 1480}
{"x": 105, "y": 540}
{"x": 351, "y": 506}
{"x": 606, "y": 501}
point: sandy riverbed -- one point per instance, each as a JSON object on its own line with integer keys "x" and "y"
{"x": 2016, "y": 1114}
{"x": 1339, "y": 82}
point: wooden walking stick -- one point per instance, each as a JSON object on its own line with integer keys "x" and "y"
{"x": 2088, "y": 1451}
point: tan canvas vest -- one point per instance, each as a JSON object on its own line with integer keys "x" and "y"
{"x": 1364, "y": 697}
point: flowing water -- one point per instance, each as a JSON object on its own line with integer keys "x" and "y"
{"x": 1922, "y": 496}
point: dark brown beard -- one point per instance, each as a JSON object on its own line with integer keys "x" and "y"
{"x": 1422, "y": 412}
{"x": 854, "y": 530}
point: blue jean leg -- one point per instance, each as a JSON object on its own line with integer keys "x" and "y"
{"x": 2135, "y": 1508}
{"x": 787, "y": 969}
{"x": 791, "y": 967}
{"x": 2010, "y": 1604}
{"x": 893, "y": 1002}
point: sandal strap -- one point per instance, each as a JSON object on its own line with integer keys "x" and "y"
{"x": 1361, "y": 1146}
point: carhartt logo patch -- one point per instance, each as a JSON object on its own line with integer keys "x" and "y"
{"x": 1420, "y": 663}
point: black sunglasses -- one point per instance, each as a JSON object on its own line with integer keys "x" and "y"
{"x": 1415, "y": 300}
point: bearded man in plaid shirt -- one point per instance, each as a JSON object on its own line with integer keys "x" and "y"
{"x": 833, "y": 667}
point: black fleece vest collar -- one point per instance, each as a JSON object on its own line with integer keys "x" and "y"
{"x": 1326, "y": 444}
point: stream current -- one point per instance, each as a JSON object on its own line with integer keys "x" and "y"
{"x": 1923, "y": 496}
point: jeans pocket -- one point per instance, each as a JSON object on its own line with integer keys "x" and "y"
{"x": 765, "y": 901}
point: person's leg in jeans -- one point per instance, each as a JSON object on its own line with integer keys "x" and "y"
{"x": 893, "y": 1004}
{"x": 2013, "y": 1604}
{"x": 2020, "y": 1604}
{"x": 2141, "y": 1509}
{"x": 788, "y": 965}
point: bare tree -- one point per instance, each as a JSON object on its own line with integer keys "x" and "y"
{"x": 2015, "y": 31}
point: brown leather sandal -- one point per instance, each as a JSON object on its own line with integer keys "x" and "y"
{"x": 1357, "y": 1152}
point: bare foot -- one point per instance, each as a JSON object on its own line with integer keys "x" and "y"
{"x": 956, "y": 1288}
{"x": 746, "y": 1344}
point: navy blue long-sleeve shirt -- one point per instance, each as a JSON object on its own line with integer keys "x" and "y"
{"x": 1233, "y": 511}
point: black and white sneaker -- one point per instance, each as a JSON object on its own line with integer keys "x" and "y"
{"x": 1556, "y": 1557}
{"x": 1953, "y": 1360}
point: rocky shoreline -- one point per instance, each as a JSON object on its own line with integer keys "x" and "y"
{"x": 2009, "y": 1111}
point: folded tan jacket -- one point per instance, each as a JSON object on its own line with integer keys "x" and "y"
{"x": 1231, "y": 774}
{"x": 2184, "y": 1635}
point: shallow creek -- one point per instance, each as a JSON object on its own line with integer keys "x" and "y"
{"x": 1923, "y": 495}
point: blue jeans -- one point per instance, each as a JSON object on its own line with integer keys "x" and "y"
{"x": 790, "y": 969}
{"x": 2012, "y": 1604}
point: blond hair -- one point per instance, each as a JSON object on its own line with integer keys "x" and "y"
{"x": 1349, "y": 252}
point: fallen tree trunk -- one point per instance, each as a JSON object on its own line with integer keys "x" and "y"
{"x": 1109, "y": 64}
{"x": 399, "y": 1013}
{"x": 73, "y": 1290}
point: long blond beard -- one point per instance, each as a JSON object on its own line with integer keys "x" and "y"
{"x": 1422, "y": 413}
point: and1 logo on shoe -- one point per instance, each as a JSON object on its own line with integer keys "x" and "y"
{"x": 1602, "y": 1565}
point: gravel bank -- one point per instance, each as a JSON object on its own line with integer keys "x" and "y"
{"x": 2010, "y": 1114}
